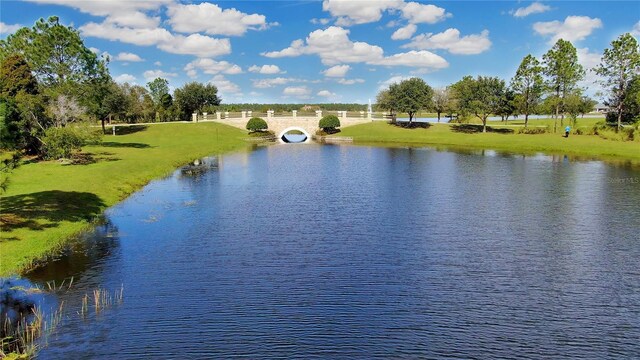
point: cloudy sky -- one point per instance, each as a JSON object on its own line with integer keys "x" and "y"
{"x": 325, "y": 51}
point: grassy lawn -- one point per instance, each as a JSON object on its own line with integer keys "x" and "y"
{"x": 48, "y": 202}
{"x": 380, "y": 132}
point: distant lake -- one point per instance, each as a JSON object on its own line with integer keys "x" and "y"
{"x": 348, "y": 252}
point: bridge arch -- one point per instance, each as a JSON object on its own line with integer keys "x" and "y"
{"x": 297, "y": 128}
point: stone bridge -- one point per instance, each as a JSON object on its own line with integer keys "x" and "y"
{"x": 280, "y": 125}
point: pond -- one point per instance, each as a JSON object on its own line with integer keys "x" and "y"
{"x": 339, "y": 251}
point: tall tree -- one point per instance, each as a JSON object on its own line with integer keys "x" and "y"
{"x": 507, "y": 105}
{"x": 56, "y": 53}
{"x": 618, "y": 65}
{"x": 528, "y": 86}
{"x": 20, "y": 104}
{"x": 158, "y": 88}
{"x": 563, "y": 72}
{"x": 441, "y": 100}
{"x": 194, "y": 96}
{"x": 413, "y": 95}
{"x": 387, "y": 100}
{"x": 481, "y": 96}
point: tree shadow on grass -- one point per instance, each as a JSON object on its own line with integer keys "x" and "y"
{"x": 115, "y": 144}
{"x": 45, "y": 209}
{"x": 473, "y": 129}
{"x": 90, "y": 158}
{"x": 126, "y": 130}
{"x": 411, "y": 125}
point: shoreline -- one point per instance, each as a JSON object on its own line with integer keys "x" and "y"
{"x": 49, "y": 204}
{"x": 583, "y": 147}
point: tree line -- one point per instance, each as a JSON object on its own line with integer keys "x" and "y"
{"x": 546, "y": 86}
{"x": 50, "y": 80}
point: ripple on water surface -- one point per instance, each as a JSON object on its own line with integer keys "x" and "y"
{"x": 358, "y": 252}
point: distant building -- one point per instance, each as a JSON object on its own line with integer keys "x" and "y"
{"x": 601, "y": 108}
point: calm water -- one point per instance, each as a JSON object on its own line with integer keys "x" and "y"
{"x": 309, "y": 251}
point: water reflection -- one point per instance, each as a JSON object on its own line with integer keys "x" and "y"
{"x": 88, "y": 251}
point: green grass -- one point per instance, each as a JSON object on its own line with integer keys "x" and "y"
{"x": 48, "y": 202}
{"x": 587, "y": 146}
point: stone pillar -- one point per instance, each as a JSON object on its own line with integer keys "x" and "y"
{"x": 194, "y": 117}
{"x": 319, "y": 114}
{"x": 244, "y": 115}
{"x": 218, "y": 115}
{"x": 295, "y": 113}
{"x": 249, "y": 114}
{"x": 269, "y": 114}
{"x": 204, "y": 116}
{"x": 226, "y": 114}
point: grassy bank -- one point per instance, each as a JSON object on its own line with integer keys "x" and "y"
{"x": 590, "y": 146}
{"x": 48, "y": 202}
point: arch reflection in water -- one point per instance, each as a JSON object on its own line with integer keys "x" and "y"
{"x": 294, "y": 135}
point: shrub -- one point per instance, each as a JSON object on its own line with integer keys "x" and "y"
{"x": 257, "y": 124}
{"x": 533, "y": 130}
{"x": 329, "y": 123}
{"x": 64, "y": 141}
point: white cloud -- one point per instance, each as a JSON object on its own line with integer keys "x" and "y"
{"x": 225, "y": 86}
{"x": 213, "y": 20}
{"x": 589, "y": 60}
{"x": 350, "y": 81}
{"x": 152, "y": 74}
{"x": 337, "y": 71}
{"x": 636, "y": 29}
{"x": 319, "y": 21}
{"x": 211, "y": 67}
{"x": 534, "y": 8}
{"x": 198, "y": 45}
{"x": 268, "y": 83}
{"x": 143, "y": 37}
{"x": 94, "y": 50}
{"x": 423, "y": 13}
{"x": 334, "y": 47}
{"x": 351, "y": 12}
{"x": 451, "y": 41}
{"x": 405, "y": 32}
{"x": 326, "y": 94}
{"x": 130, "y": 57}
{"x": 392, "y": 80}
{"x": 266, "y": 69}
{"x": 124, "y": 78}
{"x": 121, "y": 12}
{"x": 297, "y": 91}
{"x": 9, "y": 29}
{"x": 422, "y": 59}
{"x": 194, "y": 44}
{"x": 574, "y": 28}
{"x": 157, "y": 63}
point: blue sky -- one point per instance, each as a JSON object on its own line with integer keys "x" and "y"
{"x": 326, "y": 51}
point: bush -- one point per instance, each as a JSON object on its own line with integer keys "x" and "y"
{"x": 627, "y": 117}
{"x": 63, "y": 142}
{"x": 257, "y": 124}
{"x": 533, "y": 130}
{"x": 329, "y": 123}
